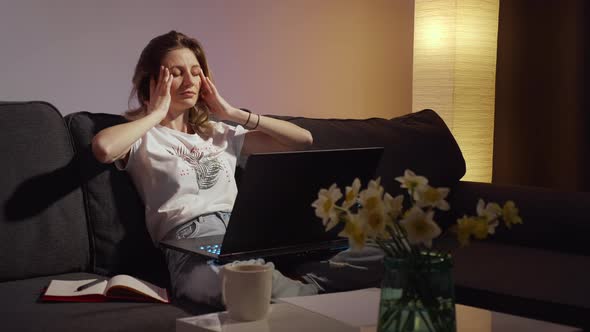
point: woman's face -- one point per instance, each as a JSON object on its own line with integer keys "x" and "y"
{"x": 186, "y": 82}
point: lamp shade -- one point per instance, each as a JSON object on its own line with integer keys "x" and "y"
{"x": 454, "y": 73}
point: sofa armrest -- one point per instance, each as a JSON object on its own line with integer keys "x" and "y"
{"x": 552, "y": 220}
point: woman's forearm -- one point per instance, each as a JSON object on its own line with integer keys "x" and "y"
{"x": 284, "y": 132}
{"x": 113, "y": 143}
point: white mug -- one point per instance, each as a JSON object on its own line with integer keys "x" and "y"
{"x": 246, "y": 290}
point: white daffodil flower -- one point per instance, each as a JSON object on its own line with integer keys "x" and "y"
{"x": 491, "y": 211}
{"x": 373, "y": 214}
{"x": 332, "y": 222}
{"x": 375, "y": 185}
{"x": 510, "y": 214}
{"x": 393, "y": 206}
{"x": 371, "y": 197}
{"x": 351, "y": 194}
{"x": 420, "y": 227}
{"x": 372, "y": 210}
{"x": 426, "y": 196}
{"x": 326, "y": 202}
{"x": 411, "y": 180}
{"x": 355, "y": 231}
{"x": 492, "y": 226}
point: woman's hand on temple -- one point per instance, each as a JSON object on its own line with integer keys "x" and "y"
{"x": 217, "y": 105}
{"x": 160, "y": 98}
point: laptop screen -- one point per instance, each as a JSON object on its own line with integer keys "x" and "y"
{"x": 275, "y": 192}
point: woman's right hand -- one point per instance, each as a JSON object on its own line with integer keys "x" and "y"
{"x": 159, "y": 102}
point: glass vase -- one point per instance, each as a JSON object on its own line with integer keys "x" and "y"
{"x": 417, "y": 294}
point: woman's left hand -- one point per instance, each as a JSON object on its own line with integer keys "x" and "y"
{"x": 217, "y": 105}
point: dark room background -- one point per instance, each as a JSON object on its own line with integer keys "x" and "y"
{"x": 542, "y": 116}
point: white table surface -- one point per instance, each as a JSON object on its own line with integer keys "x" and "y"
{"x": 354, "y": 311}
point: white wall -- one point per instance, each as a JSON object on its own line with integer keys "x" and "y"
{"x": 329, "y": 58}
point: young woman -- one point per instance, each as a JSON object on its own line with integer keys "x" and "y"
{"x": 183, "y": 163}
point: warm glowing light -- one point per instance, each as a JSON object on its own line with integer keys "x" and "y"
{"x": 455, "y": 71}
{"x": 434, "y": 33}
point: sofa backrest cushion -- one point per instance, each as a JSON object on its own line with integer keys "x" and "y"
{"x": 418, "y": 141}
{"x": 120, "y": 241}
{"x": 42, "y": 225}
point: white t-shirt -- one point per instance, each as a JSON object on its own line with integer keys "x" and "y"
{"x": 181, "y": 176}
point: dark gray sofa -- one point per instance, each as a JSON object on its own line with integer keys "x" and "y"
{"x": 66, "y": 216}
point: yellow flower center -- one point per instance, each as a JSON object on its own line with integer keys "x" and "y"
{"x": 355, "y": 233}
{"x": 371, "y": 203}
{"x": 327, "y": 205}
{"x": 350, "y": 196}
{"x": 480, "y": 229}
{"x": 375, "y": 220}
{"x": 431, "y": 195}
{"x": 420, "y": 226}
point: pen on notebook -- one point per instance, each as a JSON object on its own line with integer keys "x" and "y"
{"x": 90, "y": 284}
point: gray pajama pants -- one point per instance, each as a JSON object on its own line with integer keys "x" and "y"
{"x": 196, "y": 279}
{"x": 193, "y": 278}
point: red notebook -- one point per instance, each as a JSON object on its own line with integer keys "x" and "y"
{"x": 119, "y": 287}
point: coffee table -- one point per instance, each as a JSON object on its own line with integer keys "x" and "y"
{"x": 475, "y": 319}
{"x": 354, "y": 311}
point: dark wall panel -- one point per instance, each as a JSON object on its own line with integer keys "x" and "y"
{"x": 541, "y": 117}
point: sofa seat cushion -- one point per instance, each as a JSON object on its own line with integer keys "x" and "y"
{"x": 530, "y": 282}
{"x": 22, "y": 311}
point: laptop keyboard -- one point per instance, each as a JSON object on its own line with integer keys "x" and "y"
{"x": 214, "y": 248}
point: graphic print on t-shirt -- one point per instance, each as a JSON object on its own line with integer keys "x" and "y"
{"x": 207, "y": 168}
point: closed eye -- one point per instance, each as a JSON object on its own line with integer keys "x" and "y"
{"x": 178, "y": 71}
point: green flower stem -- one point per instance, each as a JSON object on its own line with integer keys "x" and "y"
{"x": 430, "y": 305}
{"x": 390, "y": 314}
{"x": 339, "y": 208}
{"x": 426, "y": 321}
{"x": 409, "y": 319}
{"x": 400, "y": 235}
{"x": 389, "y": 250}
{"x": 399, "y": 321}
{"x": 393, "y": 245}
{"x": 396, "y": 242}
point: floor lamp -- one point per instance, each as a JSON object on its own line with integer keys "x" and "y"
{"x": 454, "y": 73}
